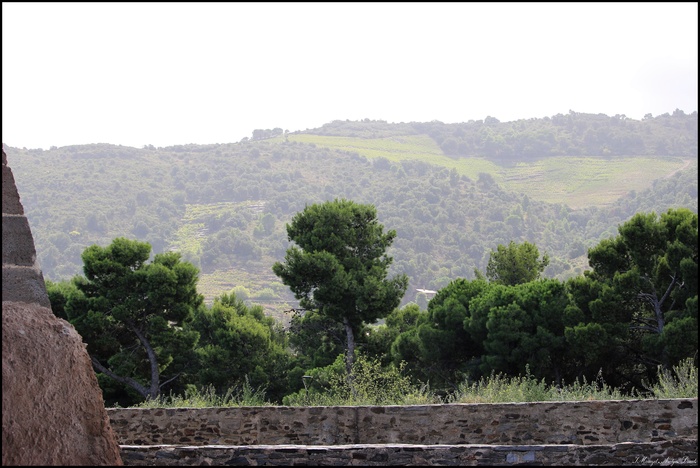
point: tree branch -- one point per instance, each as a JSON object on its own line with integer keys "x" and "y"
{"x": 141, "y": 389}
{"x": 170, "y": 380}
{"x": 645, "y": 327}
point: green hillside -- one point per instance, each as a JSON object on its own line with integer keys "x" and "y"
{"x": 224, "y": 206}
{"x": 574, "y": 181}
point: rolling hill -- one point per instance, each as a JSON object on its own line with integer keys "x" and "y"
{"x": 224, "y": 206}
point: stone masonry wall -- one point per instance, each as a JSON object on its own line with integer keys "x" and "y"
{"x": 681, "y": 452}
{"x": 583, "y": 423}
{"x": 601, "y": 433}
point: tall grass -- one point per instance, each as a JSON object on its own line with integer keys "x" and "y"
{"x": 207, "y": 397}
{"x": 679, "y": 382}
{"x": 503, "y": 389}
{"x": 376, "y": 386}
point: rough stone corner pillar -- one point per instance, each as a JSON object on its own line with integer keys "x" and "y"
{"x": 52, "y": 407}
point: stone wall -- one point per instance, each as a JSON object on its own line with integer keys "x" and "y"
{"x": 582, "y": 423}
{"x": 681, "y": 452}
{"x": 601, "y": 433}
{"x": 52, "y": 407}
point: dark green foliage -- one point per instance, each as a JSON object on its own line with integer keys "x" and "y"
{"x": 240, "y": 346}
{"x": 316, "y": 339}
{"x": 475, "y": 328}
{"x": 444, "y": 342}
{"x": 376, "y": 341}
{"x": 131, "y": 313}
{"x": 338, "y": 266}
{"x": 515, "y": 264}
{"x": 524, "y": 327}
{"x": 642, "y": 293}
{"x": 598, "y": 336}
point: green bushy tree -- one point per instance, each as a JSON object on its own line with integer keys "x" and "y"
{"x": 641, "y": 294}
{"x": 338, "y": 266}
{"x": 239, "y": 345}
{"x": 131, "y": 313}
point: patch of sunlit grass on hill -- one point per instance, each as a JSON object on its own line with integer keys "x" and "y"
{"x": 580, "y": 182}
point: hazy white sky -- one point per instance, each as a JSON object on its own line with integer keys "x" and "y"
{"x": 177, "y": 73}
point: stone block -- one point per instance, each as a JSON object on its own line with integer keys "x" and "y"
{"x": 17, "y": 242}
{"x": 10, "y": 197}
{"x": 24, "y": 284}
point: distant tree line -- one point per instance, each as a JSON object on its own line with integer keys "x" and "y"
{"x": 572, "y": 134}
{"x": 262, "y": 134}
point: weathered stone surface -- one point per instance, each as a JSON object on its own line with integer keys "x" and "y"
{"x": 52, "y": 407}
{"x": 10, "y": 197}
{"x": 17, "y": 242}
{"x": 581, "y": 423}
{"x": 682, "y": 452}
{"x": 660, "y": 432}
{"x": 24, "y": 284}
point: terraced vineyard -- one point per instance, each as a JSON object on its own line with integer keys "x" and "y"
{"x": 575, "y": 181}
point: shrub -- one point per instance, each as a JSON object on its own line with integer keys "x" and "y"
{"x": 679, "y": 382}
{"x": 372, "y": 385}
